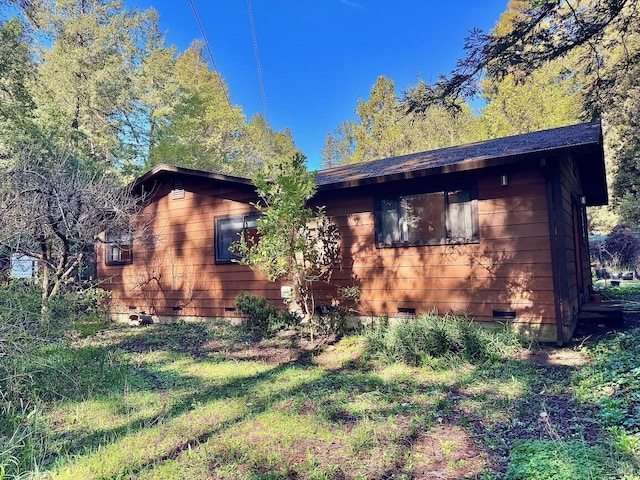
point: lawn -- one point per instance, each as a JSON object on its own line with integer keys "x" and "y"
{"x": 204, "y": 400}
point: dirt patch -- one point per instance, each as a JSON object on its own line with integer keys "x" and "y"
{"x": 553, "y": 357}
{"x": 446, "y": 452}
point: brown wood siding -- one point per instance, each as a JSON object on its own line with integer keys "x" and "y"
{"x": 174, "y": 271}
{"x": 571, "y": 193}
{"x": 508, "y": 270}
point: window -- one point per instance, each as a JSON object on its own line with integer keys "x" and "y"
{"x": 427, "y": 218}
{"x": 118, "y": 248}
{"x": 228, "y": 231}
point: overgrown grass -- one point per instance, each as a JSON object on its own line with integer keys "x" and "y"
{"x": 611, "y": 383}
{"x": 432, "y": 336}
{"x": 199, "y": 400}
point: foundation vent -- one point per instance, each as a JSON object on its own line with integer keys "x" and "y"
{"x": 504, "y": 315}
{"x": 406, "y": 312}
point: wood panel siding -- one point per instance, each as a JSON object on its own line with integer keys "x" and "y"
{"x": 575, "y": 290}
{"x": 174, "y": 272}
{"x": 507, "y": 270}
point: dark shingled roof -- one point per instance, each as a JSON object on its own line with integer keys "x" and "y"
{"x": 583, "y": 142}
{"x": 584, "y": 138}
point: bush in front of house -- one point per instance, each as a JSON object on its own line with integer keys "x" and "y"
{"x": 432, "y": 336}
{"x": 261, "y": 316}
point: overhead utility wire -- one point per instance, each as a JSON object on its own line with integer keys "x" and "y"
{"x": 213, "y": 62}
{"x": 255, "y": 48}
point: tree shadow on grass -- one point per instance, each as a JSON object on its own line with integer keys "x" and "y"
{"x": 345, "y": 399}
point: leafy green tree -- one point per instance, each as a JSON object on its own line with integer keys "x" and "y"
{"x": 547, "y": 98}
{"x": 294, "y": 242}
{"x": 534, "y": 33}
{"x": 91, "y": 57}
{"x": 17, "y": 70}
{"x": 202, "y": 128}
{"x": 383, "y": 130}
{"x": 264, "y": 146}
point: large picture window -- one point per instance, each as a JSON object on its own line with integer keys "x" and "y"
{"x": 427, "y": 218}
{"x": 228, "y": 231}
{"x": 118, "y": 248}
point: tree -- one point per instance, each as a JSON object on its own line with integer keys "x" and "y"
{"x": 547, "y": 98}
{"x": 202, "y": 128}
{"x": 382, "y": 129}
{"x": 293, "y": 242}
{"x": 53, "y": 211}
{"x": 89, "y": 88}
{"x": 17, "y": 70}
{"x": 263, "y": 146}
{"x": 204, "y": 131}
{"x": 533, "y": 36}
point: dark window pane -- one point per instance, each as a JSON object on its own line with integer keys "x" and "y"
{"x": 227, "y": 231}
{"x": 118, "y": 248}
{"x": 460, "y": 219}
{"x": 388, "y": 220}
{"x": 423, "y": 217}
{"x": 427, "y": 218}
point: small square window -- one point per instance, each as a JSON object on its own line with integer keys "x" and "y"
{"x": 118, "y": 248}
{"x": 228, "y": 231}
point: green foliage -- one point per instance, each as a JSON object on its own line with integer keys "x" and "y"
{"x": 16, "y": 103}
{"x": 36, "y": 365}
{"x": 201, "y": 129}
{"x": 294, "y": 242}
{"x": 418, "y": 341}
{"x": 384, "y": 130}
{"x": 547, "y": 98}
{"x": 22, "y": 438}
{"x": 556, "y": 460}
{"x": 262, "y": 316}
{"x": 259, "y": 312}
{"x": 612, "y": 380}
{"x": 623, "y": 291}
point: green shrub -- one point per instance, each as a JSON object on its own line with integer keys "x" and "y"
{"x": 555, "y": 460}
{"x": 261, "y": 316}
{"x": 417, "y": 341}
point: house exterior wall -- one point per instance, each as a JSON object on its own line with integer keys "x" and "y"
{"x": 174, "y": 272}
{"x": 506, "y": 275}
{"x": 507, "y": 271}
{"x": 575, "y": 274}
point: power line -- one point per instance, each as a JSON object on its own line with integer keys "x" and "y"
{"x": 213, "y": 62}
{"x": 255, "y": 48}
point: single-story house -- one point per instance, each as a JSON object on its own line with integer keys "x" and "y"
{"x": 497, "y": 229}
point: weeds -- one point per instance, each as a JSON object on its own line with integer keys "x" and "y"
{"x": 431, "y": 336}
{"x": 556, "y": 460}
{"x": 191, "y": 400}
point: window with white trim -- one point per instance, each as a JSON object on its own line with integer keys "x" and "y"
{"x": 431, "y": 218}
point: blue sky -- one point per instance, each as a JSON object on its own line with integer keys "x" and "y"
{"x": 318, "y": 57}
